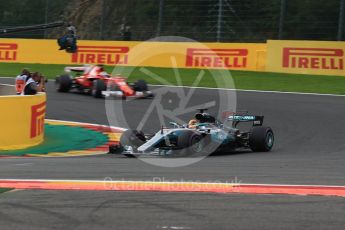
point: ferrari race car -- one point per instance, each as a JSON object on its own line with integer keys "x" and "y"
{"x": 207, "y": 136}
{"x": 95, "y": 81}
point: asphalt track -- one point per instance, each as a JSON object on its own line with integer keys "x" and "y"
{"x": 309, "y": 150}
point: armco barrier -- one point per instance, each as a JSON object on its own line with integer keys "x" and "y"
{"x": 242, "y": 56}
{"x": 306, "y": 57}
{"x": 22, "y": 119}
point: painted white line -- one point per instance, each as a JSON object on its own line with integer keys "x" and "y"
{"x": 7, "y": 84}
{"x": 252, "y": 90}
{"x": 15, "y": 77}
{"x": 175, "y": 227}
{"x": 239, "y": 90}
{"x": 24, "y": 164}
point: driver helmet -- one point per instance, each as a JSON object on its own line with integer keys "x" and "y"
{"x": 193, "y": 123}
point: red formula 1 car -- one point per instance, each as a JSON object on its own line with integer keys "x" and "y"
{"x": 95, "y": 81}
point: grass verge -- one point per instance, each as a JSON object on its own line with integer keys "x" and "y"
{"x": 242, "y": 79}
{"x": 3, "y": 190}
{"x": 62, "y": 139}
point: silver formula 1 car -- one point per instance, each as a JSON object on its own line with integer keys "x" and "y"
{"x": 207, "y": 136}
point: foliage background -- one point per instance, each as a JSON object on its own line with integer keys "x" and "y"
{"x": 242, "y": 20}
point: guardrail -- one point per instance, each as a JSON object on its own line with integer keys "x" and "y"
{"x": 22, "y": 119}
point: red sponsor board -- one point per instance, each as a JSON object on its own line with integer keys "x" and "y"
{"x": 107, "y": 55}
{"x": 37, "y": 119}
{"x": 217, "y": 58}
{"x": 313, "y": 58}
{"x": 8, "y": 51}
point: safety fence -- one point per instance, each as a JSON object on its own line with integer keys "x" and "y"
{"x": 201, "y": 20}
{"x": 302, "y": 57}
{"x": 22, "y": 120}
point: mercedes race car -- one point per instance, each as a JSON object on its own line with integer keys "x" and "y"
{"x": 206, "y": 136}
{"x": 95, "y": 81}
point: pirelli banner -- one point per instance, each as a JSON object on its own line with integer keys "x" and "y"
{"x": 306, "y": 57}
{"x": 22, "y": 125}
{"x": 156, "y": 54}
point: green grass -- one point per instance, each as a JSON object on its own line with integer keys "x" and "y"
{"x": 61, "y": 139}
{"x": 242, "y": 79}
{"x": 2, "y": 190}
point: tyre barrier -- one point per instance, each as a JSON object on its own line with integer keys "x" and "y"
{"x": 22, "y": 119}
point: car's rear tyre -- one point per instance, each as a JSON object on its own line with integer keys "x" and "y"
{"x": 63, "y": 83}
{"x": 261, "y": 139}
{"x": 132, "y": 138}
{"x": 97, "y": 88}
{"x": 140, "y": 86}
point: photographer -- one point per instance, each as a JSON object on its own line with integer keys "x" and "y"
{"x": 21, "y": 81}
{"x": 34, "y": 84}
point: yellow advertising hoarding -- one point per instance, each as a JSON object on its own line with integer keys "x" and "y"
{"x": 306, "y": 57}
{"x": 22, "y": 123}
{"x": 242, "y": 56}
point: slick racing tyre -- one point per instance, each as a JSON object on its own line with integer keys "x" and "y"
{"x": 190, "y": 144}
{"x": 195, "y": 144}
{"x": 261, "y": 139}
{"x": 97, "y": 88}
{"x": 63, "y": 83}
{"x": 140, "y": 86}
{"x": 132, "y": 138}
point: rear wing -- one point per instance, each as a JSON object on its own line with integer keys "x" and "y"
{"x": 257, "y": 120}
{"x": 79, "y": 69}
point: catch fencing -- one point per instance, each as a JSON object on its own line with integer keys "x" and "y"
{"x": 201, "y": 20}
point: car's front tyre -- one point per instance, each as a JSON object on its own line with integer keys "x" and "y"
{"x": 140, "y": 86}
{"x": 98, "y": 86}
{"x": 132, "y": 138}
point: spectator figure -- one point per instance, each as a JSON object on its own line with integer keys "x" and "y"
{"x": 71, "y": 30}
{"x": 34, "y": 84}
{"x": 126, "y": 33}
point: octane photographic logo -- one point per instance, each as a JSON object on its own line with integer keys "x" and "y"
{"x": 180, "y": 185}
{"x": 172, "y": 101}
